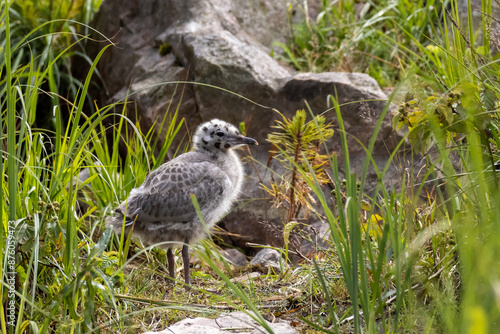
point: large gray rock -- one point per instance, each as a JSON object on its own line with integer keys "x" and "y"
{"x": 235, "y": 322}
{"x": 225, "y": 56}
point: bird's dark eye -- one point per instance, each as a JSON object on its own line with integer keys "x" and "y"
{"x": 220, "y": 134}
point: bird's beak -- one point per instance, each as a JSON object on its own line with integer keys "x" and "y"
{"x": 244, "y": 141}
{"x": 249, "y": 141}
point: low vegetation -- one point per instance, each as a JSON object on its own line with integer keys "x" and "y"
{"x": 421, "y": 258}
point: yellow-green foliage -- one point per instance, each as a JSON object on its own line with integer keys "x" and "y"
{"x": 297, "y": 144}
{"x": 468, "y": 107}
{"x": 40, "y": 11}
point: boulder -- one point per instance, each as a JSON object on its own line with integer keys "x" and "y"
{"x": 210, "y": 58}
{"x": 234, "y": 322}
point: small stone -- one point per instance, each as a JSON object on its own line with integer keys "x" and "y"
{"x": 246, "y": 277}
{"x": 237, "y": 258}
{"x": 268, "y": 257}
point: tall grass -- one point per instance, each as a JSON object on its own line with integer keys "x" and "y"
{"x": 51, "y": 26}
{"x": 449, "y": 254}
{"x": 350, "y": 36}
{"x": 63, "y": 271}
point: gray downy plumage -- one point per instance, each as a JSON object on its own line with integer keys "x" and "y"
{"x": 161, "y": 210}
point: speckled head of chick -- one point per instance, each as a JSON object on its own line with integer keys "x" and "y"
{"x": 218, "y": 136}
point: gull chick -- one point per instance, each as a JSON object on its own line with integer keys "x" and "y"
{"x": 161, "y": 209}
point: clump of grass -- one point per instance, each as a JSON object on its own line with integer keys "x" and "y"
{"x": 453, "y": 120}
{"x": 50, "y": 34}
{"x": 421, "y": 256}
{"x": 65, "y": 270}
{"x": 351, "y": 36}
